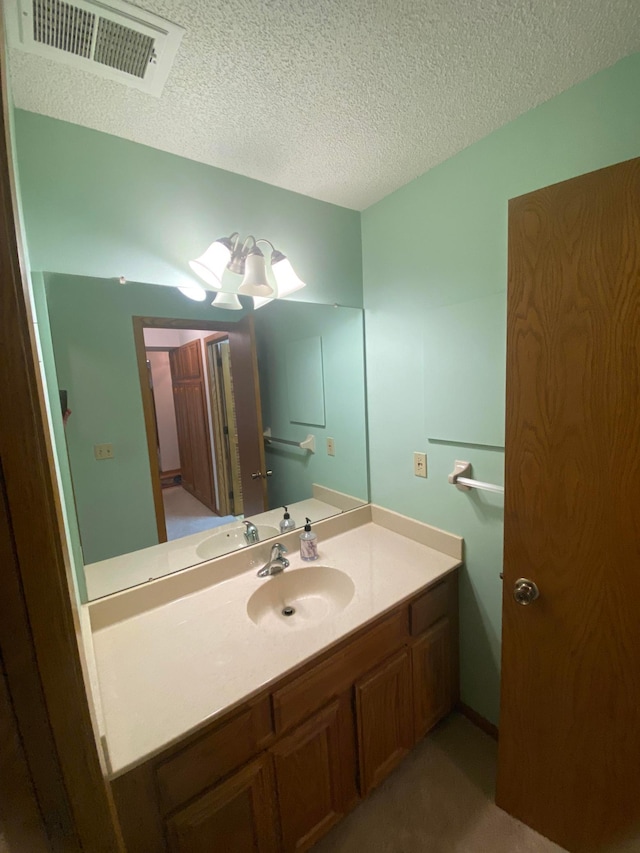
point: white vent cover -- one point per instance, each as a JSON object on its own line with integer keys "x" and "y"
{"x": 117, "y": 41}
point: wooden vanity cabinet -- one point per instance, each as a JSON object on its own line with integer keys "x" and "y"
{"x": 239, "y": 814}
{"x": 315, "y": 773}
{"x": 276, "y": 774}
{"x": 433, "y": 669}
{"x": 384, "y": 715}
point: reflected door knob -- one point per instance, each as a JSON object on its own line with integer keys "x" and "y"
{"x": 525, "y": 591}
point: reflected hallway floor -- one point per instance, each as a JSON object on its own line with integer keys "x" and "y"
{"x": 185, "y": 514}
{"x": 439, "y": 800}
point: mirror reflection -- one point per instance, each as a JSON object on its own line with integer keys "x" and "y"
{"x": 184, "y": 426}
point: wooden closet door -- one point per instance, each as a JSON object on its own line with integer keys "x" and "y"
{"x": 192, "y": 422}
{"x": 569, "y": 749}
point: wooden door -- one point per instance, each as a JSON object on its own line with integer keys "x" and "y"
{"x": 41, "y": 654}
{"x": 315, "y": 777}
{"x": 385, "y": 719}
{"x": 192, "y": 422}
{"x": 431, "y": 671}
{"x": 246, "y": 392}
{"x": 569, "y": 749}
{"x": 237, "y": 816}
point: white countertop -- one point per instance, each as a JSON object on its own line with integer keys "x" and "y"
{"x": 116, "y": 573}
{"x": 166, "y": 672}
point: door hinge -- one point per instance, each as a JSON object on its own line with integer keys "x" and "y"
{"x": 225, "y": 430}
{"x": 231, "y": 494}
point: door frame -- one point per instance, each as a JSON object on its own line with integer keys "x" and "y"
{"x": 41, "y": 646}
{"x": 141, "y": 323}
{"x": 220, "y": 450}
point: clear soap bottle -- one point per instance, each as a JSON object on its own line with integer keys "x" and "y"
{"x": 308, "y": 543}
{"x": 287, "y": 522}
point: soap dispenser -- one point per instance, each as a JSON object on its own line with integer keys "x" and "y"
{"x": 287, "y": 522}
{"x": 308, "y": 543}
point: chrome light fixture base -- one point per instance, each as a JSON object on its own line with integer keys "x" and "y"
{"x": 247, "y": 260}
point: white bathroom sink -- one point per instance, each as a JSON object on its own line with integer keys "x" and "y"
{"x": 231, "y": 539}
{"x": 313, "y": 593}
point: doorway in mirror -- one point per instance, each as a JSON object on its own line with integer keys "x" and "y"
{"x": 194, "y": 383}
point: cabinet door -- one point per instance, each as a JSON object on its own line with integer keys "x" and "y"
{"x": 431, "y": 666}
{"x": 315, "y": 776}
{"x": 385, "y": 719}
{"x": 237, "y": 816}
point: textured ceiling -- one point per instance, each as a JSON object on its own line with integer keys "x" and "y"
{"x": 342, "y": 100}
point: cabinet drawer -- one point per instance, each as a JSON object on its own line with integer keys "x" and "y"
{"x": 430, "y": 607}
{"x": 315, "y": 688}
{"x": 214, "y": 755}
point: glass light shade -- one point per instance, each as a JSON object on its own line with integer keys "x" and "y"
{"x": 211, "y": 265}
{"x": 227, "y": 300}
{"x": 259, "y": 301}
{"x": 255, "y": 281}
{"x": 285, "y": 275}
{"x": 197, "y": 293}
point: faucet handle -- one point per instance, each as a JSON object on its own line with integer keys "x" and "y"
{"x": 280, "y": 548}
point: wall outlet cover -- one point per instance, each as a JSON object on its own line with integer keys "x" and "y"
{"x": 103, "y": 451}
{"x": 331, "y": 447}
{"x": 420, "y": 464}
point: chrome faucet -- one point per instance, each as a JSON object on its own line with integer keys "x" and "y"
{"x": 277, "y": 561}
{"x": 251, "y": 533}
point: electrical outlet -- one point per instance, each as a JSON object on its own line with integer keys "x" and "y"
{"x": 103, "y": 451}
{"x": 420, "y": 464}
{"x": 331, "y": 447}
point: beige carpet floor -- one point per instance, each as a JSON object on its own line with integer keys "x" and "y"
{"x": 440, "y": 800}
{"x": 185, "y": 515}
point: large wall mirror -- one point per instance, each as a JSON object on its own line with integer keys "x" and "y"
{"x": 183, "y": 422}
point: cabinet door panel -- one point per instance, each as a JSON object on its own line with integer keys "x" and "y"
{"x": 313, "y": 777}
{"x": 431, "y": 668}
{"x": 237, "y": 816}
{"x": 385, "y": 719}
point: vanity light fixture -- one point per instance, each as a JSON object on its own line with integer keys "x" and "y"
{"x": 197, "y": 293}
{"x": 227, "y": 300}
{"x": 245, "y": 259}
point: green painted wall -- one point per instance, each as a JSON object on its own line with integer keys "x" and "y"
{"x": 436, "y": 249}
{"x": 96, "y": 205}
{"x": 45, "y": 356}
{"x": 95, "y": 361}
{"x": 58, "y": 430}
{"x": 99, "y": 206}
{"x": 278, "y": 325}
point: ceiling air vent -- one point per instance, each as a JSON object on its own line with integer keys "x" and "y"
{"x": 117, "y": 41}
